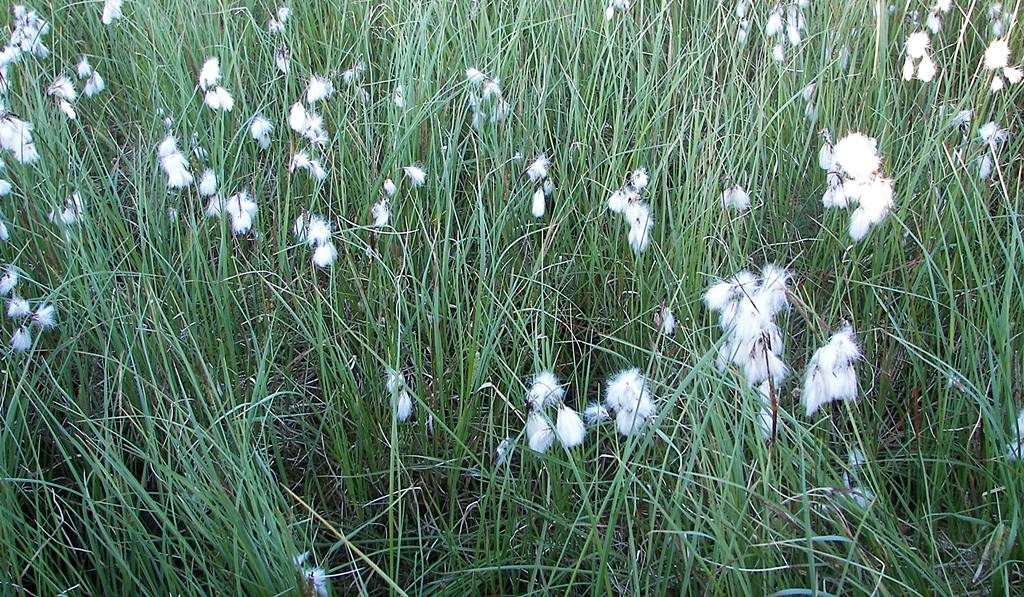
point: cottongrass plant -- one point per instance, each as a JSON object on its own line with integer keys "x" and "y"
{"x": 935, "y": 15}
{"x": 855, "y": 177}
{"x": 997, "y": 61}
{"x": 613, "y": 6}
{"x": 398, "y": 391}
{"x": 629, "y": 397}
{"x": 544, "y": 187}
{"x": 261, "y": 359}
{"x": 174, "y": 163}
{"x": 486, "y": 100}
{"x": 918, "y": 64}
{"x": 1000, "y": 18}
{"x": 316, "y": 232}
{"x": 628, "y": 201}
{"x": 545, "y": 393}
{"x": 786, "y": 26}
{"x": 992, "y": 137}
{"x": 741, "y": 10}
{"x": 830, "y": 373}
{"x": 19, "y": 310}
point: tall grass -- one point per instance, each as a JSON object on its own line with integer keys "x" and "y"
{"x": 211, "y": 406}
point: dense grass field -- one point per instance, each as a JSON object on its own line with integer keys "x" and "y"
{"x": 211, "y": 405}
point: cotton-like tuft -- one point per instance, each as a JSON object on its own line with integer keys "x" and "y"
{"x": 538, "y": 169}
{"x": 569, "y": 427}
{"x": 260, "y": 129}
{"x": 997, "y": 55}
{"x": 209, "y": 74}
{"x": 9, "y": 280}
{"x": 208, "y": 183}
{"x": 917, "y": 44}
{"x": 596, "y": 414}
{"x": 736, "y": 198}
{"x": 45, "y": 317}
{"x": 537, "y": 204}
{"x": 319, "y": 88}
{"x": 545, "y": 390}
{"x": 830, "y": 374}
{"x": 416, "y": 174}
{"x": 21, "y": 339}
{"x": 112, "y": 10}
{"x": 18, "y": 308}
{"x": 857, "y": 155}
{"x": 539, "y": 434}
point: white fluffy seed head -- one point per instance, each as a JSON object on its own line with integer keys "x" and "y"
{"x": 318, "y": 88}
{"x": 626, "y": 390}
{"x": 736, "y": 198}
{"x": 208, "y": 183}
{"x": 539, "y": 434}
{"x": 537, "y": 203}
{"x": 209, "y": 74}
{"x": 538, "y": 169}
{"x": 569, "y": 427}
{"x": 324, "y": 255}
{"x": 639, "y": 179}
{"x": 21, "y": 339}
{"x": 596, "y": 414}
{"x": 917, "y": 44}
{"x": 545, "y": 390}
{"x": 857, "y": 155}
{"x": 416, "y": 174}
{"x": 997, "y": 55}
{"x": 45, "y": 316}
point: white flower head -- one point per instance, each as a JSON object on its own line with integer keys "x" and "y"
{"x": 9, "y": 280}
{"x": 538, "y": 204}
{"x": 665, "y": 320}
{"x": 857, "y": 155}
{"x": 209, "y": 74}
{"x": 917, "y": 44}
{"x": 95, "y": 84}
{"x": 62, "y": 88}
{"x": 208, "y": 183}
{"x": 638, "y": 179}
{"x": 260, "y": 129}
{"x": 219, "y": 99}
{"x": 21, "y": 339}
{"x": 538, "y": 169}
{"x": 241, "y": 210}
{"x": 997, "y": 55}
{"x": 403, "y": 405}
{"x": 638, "y": 215}
{"x": 18, "y": 308}
{"x": 112, "y": 10}
{"x": 504, "y": 451}
{"x": 354, "y": 74}
{"x": 83, "y": 68}
{"x": 736, "y": 198}
{"x": 45, "y": 316}
{"x": 569, "y": 427}
{"x": 830, "y": 374}
{"x": 475, "y": 76}
{"x": 319, "y": 88}
{"x": 380, "y": 213}
{"x": 539, "y": 433}
{"x": 317, "y": 231}
{"x": 416, "y": 174}
{"x": 596, "y": 414}
{"x": 545, "y": 390}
